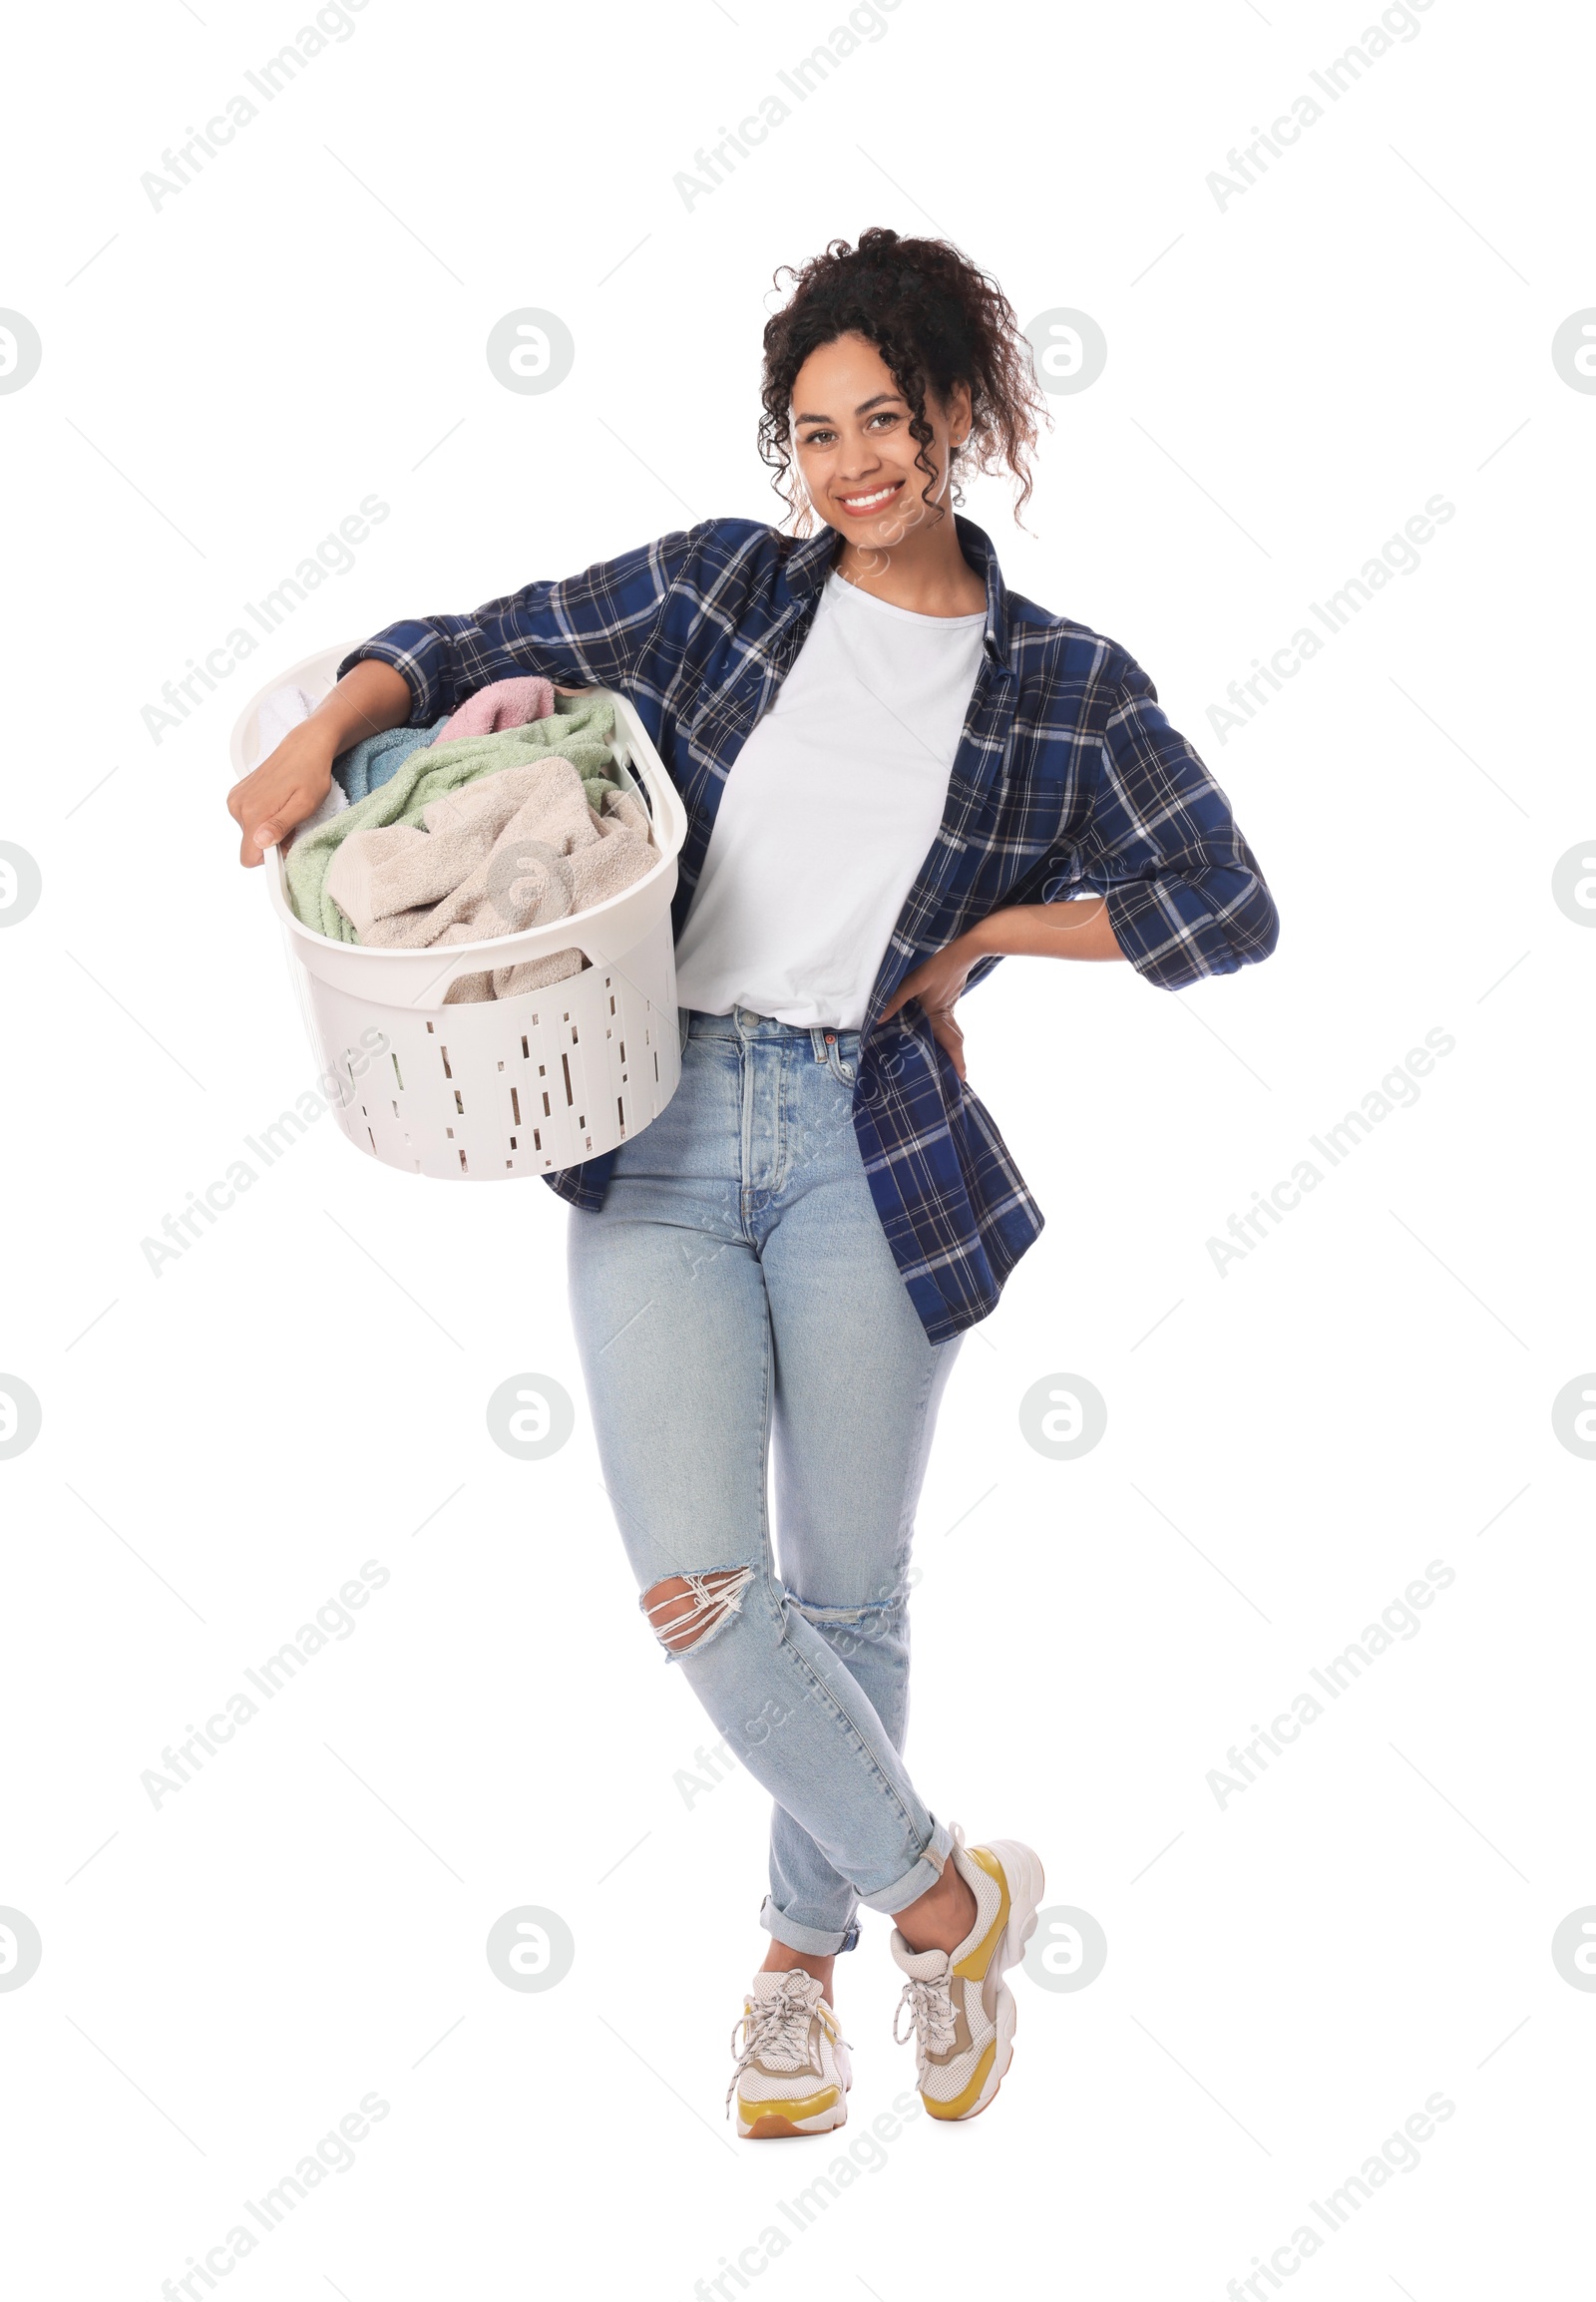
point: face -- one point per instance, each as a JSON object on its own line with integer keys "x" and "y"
{"x": 854, "y": 450}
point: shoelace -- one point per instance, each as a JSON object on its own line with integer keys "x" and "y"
{"x": 779, "y": 2022}
{"x": 931, "y": 2005}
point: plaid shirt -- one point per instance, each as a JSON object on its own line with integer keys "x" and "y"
{"x": 1069, "y": 780}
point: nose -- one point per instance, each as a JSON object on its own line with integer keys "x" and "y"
{"x": 857, "y": 459}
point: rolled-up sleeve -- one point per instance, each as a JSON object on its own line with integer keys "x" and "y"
{"x": 586, "y": 630}
{"x": 1185, "y": 896}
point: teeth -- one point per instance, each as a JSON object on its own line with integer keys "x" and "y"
{"x": 858, "y": 502}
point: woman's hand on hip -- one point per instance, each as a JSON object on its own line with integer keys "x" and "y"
{"x": 936, "y": 983}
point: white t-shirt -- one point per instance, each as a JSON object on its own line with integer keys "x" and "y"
{"x": 828, "y": 813}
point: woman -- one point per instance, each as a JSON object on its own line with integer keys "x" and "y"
{"x": 926, "y": 767}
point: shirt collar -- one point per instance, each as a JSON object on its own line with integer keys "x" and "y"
{"x": 811, "y": 559}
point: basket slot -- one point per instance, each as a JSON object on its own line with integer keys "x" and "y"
{"x": 459, "y": 1105}
{"x": 514, "y": 1103}
{"x": 564, "y": 1066}
{"x": 398, "y": 1074}
{"x": 444, "y": 1053}
{"x": 463, "y": 1167}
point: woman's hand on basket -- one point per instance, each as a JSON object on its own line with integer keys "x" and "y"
{"x": 290, "y": 784}
{"x": 936, "y": 983}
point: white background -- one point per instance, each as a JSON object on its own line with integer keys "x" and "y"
{"x": 1289, "y": 1444}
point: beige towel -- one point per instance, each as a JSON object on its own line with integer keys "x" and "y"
{"x": 513, "y": 850}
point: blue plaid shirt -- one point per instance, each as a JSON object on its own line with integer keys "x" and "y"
{"x": 1069, "y": 780}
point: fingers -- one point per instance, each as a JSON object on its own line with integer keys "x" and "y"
{"x": 912, "y": 987}
{"x": 285, "y": 786}
{"x": 949, "y": 1037}
{"x": 267, "y": 812}
{"x": 263, "y": 818}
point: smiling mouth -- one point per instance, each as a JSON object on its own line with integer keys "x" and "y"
{"x": 861, "y": 507}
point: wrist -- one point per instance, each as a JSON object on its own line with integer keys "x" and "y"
{"x": 326, "y": 730}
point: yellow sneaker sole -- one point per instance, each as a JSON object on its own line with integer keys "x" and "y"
{"x": 770, "y": 2121}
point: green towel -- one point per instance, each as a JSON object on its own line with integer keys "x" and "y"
{"x": 580, "y": 735}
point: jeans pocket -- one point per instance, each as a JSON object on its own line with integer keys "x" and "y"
{"x": 842, "y": 1067}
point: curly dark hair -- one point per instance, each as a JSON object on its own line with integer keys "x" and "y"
{"x": 936, "y": 320}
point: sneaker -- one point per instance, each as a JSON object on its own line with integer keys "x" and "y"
{"x": 963, "y": 2011}
{"x": 792, "y": 2071}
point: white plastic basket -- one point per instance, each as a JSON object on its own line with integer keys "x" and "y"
{"x": 493, "y": 1088}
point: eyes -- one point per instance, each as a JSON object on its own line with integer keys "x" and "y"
{"x": 825, "y": 437}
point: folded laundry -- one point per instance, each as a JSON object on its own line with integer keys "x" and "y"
{"x": 506, "y": 703}
{"x": 580, "y": 735}
{"x": 507, "y": 851}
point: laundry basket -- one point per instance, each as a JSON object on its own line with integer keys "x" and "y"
{"x": 493, "y": 1088}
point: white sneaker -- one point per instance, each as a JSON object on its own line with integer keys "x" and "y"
{"x": 963, "y": 2011}
{"x": 792, "y": 2072}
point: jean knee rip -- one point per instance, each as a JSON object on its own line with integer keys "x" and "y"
{"x": 686, "y": 1612}
{"x": 821, "y": 1616}
{"x": 853, "y": 1631}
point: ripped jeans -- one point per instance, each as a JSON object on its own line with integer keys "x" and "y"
{"x": 736, "y": 1288}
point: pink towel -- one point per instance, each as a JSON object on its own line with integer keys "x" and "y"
{"x": 507, "y": 703}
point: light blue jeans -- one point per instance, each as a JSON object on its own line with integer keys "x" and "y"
{"x": 734, "y": 1288}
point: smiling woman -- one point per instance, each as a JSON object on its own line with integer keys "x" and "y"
{"x": 894, "y": 770}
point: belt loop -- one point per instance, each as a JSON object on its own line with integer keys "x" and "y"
{"x": 817, "y": 1039}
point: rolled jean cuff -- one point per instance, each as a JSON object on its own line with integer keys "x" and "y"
{"x": 920, "y": 1879}
{"x": 814, "y": 1941}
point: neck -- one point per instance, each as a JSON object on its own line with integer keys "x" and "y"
{"x": 926, "y": 571}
